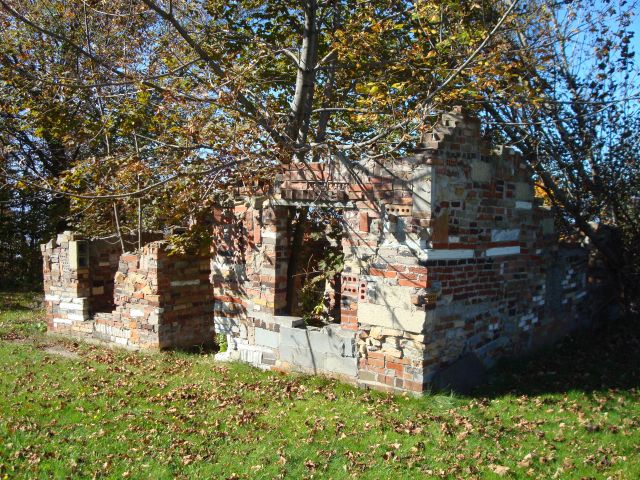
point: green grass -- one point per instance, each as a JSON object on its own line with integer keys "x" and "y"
{"x": 572, "y": 412}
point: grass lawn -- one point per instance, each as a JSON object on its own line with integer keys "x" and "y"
{"x": 82, "y": 411}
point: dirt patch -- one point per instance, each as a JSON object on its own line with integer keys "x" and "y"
{"x": 61, "y": 351}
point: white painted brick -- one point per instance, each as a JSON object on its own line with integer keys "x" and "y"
{"x": 134, "y": 312}
{"x": 455, "y": 254}
{"x": 499, "y": 251}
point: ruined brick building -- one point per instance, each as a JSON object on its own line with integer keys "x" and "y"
{"x": 450, "y": 263}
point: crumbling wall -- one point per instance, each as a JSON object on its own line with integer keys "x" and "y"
{"x": 450, "y": 264}
{"x": 249, "y": 276}
{"x": 158, "y": 300}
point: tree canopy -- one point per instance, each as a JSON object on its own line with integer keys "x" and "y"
{"x": 128, "y": 109}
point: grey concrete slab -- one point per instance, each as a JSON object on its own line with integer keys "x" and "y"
{"x": 267, "y": 338}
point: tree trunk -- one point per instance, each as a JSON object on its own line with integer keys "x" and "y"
{"x": 301, "y": 105}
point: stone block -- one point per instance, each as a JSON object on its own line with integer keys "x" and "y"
{"x": 524, "y": 191}
{"x": 411, "y": 320}
{"x": 420, "y": 185}
{"x": 480, "y": 171}
{"x": 391, "y": 296}
{"x": 548, "y": 226}
{"x": 509, "y": 235}
{"x": 72, "y": 306}
{"x": 446, "y": 254}
{"x": 502, "y": 251}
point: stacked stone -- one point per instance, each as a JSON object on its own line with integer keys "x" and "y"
{"x": 66, "y": 287}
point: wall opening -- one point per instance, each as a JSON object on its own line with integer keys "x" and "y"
{"x": 315, "y": 264}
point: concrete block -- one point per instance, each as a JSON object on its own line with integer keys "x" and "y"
{"x": 301, "y": 357}
{"x": 295, "y": 337}
{"x": 288, "y": 321}
{"x": 328, "y": 342}
{"x": 267, "y": 338}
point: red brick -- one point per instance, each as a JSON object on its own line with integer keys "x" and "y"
{"x": 413, "y": 283}
{"x": 364, "y": 222}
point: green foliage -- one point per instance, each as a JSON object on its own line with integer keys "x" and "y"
{"x": 221, "y": 342}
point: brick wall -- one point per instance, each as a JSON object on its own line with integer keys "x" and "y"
{"x": 447, "y": 254}
{"x": 157, "y": 300}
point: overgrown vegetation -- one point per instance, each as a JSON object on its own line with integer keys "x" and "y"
{"x": 76, "y": 410}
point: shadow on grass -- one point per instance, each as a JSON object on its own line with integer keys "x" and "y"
{"x": 600, "y": 359}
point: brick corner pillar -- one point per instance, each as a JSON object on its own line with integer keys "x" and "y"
{"x": 275, "y": 258}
